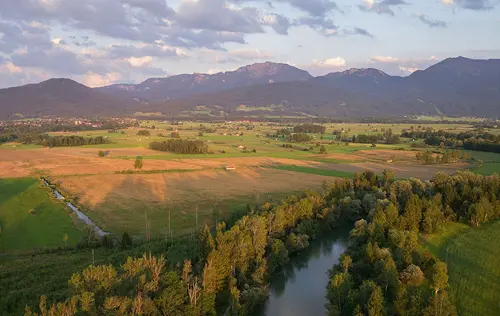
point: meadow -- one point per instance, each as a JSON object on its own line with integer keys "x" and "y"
{"x": 473, "y": 266}
{"x": 181, "y": 190}
{"x": 30, "y": 218}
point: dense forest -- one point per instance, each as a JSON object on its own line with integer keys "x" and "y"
{"x": 383, "y": 272}
{"x": 181, "y": 146}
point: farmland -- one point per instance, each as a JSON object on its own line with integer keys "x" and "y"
{"x": 181, "y": 191}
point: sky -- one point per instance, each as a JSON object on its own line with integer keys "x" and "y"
{"x": 101, "y": 42}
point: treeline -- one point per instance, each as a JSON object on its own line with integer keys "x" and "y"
{"x": 473, "y": 140}
{"x": 384, "y": 270}
{"x": 181, "y": 146}
{"x": 61, "y": 141}
{"x": 428, "y": 157}
{"x": 309, "y": 128}
{"x": 373, "y": 139}
{"x": 299, "y": 138}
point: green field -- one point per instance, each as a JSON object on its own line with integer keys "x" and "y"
{"x": 321, "y": 172}
{"x": 473, "y": 266}
{"x": 47, "y": 225}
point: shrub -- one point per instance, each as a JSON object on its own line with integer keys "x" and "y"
{"x": 143, "y": 132}
{"x": 101, "y": 153}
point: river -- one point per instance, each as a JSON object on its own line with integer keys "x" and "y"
{"x": 299, "y": 289}
{"x": 84, "y": 218}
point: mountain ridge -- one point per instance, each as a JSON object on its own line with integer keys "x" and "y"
{"x": 455, "y": 86}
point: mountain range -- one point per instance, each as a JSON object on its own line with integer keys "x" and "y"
{"x": 454, "y": 87}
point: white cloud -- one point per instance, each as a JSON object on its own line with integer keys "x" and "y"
{"x": 140, "y": 61}
{"x": 92, "y": 79}
{"x": 385, "y": 59}
{"x": 408, "y": 69}
{"x": 369, "y": 3}
{"x": 56, "y": 41}
{"x": 213, "y": 71}
{"x": 13, "y": 69}
{"x": 330, "y": 62}
{"x": 448, "y": 2}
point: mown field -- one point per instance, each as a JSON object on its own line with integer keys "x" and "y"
{"x": 473, "y": 266}
{"x": 46, "y": 224}
{"x": 120, "y": 203}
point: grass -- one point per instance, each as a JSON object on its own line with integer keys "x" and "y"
{"x": 121, "y": 202}
{"x": 47, "y": 225}
{"x": 311, "y": 170}
{"x": 473, "y": 266}
{"x": 488, "y": 168}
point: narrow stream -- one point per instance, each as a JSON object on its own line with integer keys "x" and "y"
{"x": 299, "y": 289}
{"x": 78, "y": 213}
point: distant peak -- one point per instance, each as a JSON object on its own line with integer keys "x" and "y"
{"x": 363, "y": 72}
{"x": 58, "y": 80}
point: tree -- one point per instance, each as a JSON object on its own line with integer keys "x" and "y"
{"x": 138, "y": 164}
{"x": 413, "y": 213}
{"x": 101, "y": 153}
{"x": 439, "y": 277}
{"x": 126, "y": 240}
{"x": 322, "y": 150}
{"x": 376, "y": 302}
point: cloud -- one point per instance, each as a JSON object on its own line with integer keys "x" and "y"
{"x": 140, "y": 61}
{"x": 476, "y": 5}
{"x": 157, "y": 49}
{"x": 316, "y": 8}
{"x": 430, "y": 22}
{"x": 401, "y": 66}
{"x": 237, "y": 56}
{"x": 330, "y": 62}
{"x": 384, "y": 59}
{"x": 408, "y": 69}
{"x": 381, "y": 7}
{"x": 321, "y": 67}
{"x": 325, "y": 26}
{"x": 361, "y": 31}
{"x": 93, "y": 80}
{"x": 15, "y": 35}
{"x": 217, "y": 15}
{"x": 83, "y": 41}
{"x": 278, "y": 22}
